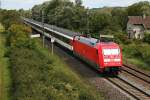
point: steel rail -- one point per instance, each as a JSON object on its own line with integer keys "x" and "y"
{"x": 137, "y": 76}
{"x": 136, "y": 70}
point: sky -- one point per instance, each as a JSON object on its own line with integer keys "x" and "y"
{"x": 28, "y": 4}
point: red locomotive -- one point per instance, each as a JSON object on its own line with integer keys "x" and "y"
{"x": 104, "y": 56}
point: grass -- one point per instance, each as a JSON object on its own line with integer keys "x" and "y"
{"x": 4, "y": 71}
{"x": 137, "y": 55}
{"x": 139, "y": 63}
{"x": 1, "y": 28}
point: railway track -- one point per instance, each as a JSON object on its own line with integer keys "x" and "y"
{"x": 129, "y": 88}
{"x": 139, "y": 74}
{"x": 137, "y": 91}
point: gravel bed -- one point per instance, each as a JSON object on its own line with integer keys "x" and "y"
{"x": 137, "y": 68}
{"x": 110, "y": 91}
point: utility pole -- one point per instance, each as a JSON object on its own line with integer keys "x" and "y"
{"x": 88, "y": 30}
{"x": 56, "y": 19}
{"x": 43, "y": 28}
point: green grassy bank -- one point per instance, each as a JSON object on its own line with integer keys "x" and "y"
{"x": 137, "y": 54}
{"x": 5, "y": 80}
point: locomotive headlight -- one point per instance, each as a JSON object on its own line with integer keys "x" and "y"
{"x": 112, "y": 60}
{"x": 106, "y": 60}
{"x": 117, "y": 60}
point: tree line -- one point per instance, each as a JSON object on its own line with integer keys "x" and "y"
{"x": 74, "y": 16}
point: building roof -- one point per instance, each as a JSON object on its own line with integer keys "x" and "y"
{"x": 140, "y": 20}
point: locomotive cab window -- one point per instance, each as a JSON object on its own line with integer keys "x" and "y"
{"x": 111, "y": 51}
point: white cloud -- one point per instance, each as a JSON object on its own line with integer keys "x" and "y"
{"x": 26, "y": 4}
{"x": 102, "y": 3}
{"x": 17, "y": 4}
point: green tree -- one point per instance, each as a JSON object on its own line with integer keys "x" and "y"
{"x": 36, "y": 12}
{"x": 25, "y": 13}
{"x": 19, "y": 36}
{"x": 10, "y": 17}
{"x": 138, "y": 9}
{"x": 100, "y": 22}
{"x": 120, "y": 16}
{"x": 147, "y": 38}
{"x": 65, "y": 14}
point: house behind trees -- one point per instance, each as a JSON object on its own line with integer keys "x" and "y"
{"x": 137, "y": 26}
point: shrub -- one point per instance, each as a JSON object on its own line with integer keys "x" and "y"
{"x": 145, "y": 51}
{"x": 19, "y": 36}
{"x": 147, "y": 38}
{"x": 132, "y": 50}
{"x": 138, "y": 50}
{"x": 2, "y": 29}
{"x": 37, "y": 77}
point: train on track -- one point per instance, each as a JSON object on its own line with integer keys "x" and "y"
{"x": 103, "y": 56}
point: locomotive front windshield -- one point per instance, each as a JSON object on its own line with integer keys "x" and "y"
{"x": 111, "y": 51}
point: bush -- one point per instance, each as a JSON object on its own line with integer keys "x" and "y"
{"x": 2, "y": 29}
{"x": 132, "y": 50}
{"x": 147, "y": 38}
{"x": 121, "y": 38}
{"x": 138, "y": 51}
{"x": 35, "y": 77}
{"x": 145, "y": 51}
{"x": 19, "y": 36}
